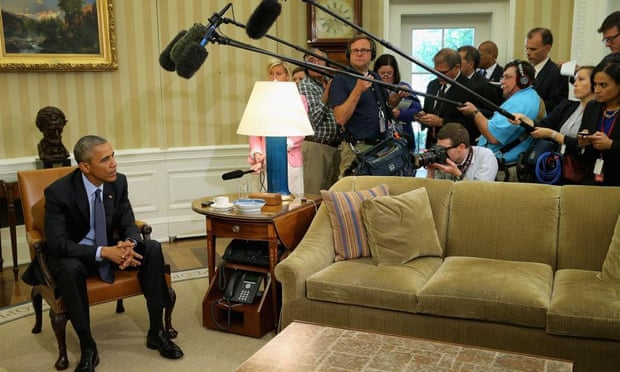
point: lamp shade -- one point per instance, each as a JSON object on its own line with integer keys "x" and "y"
{"x": 275, "y": 109}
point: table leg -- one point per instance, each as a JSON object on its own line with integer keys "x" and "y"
{"x": 273, "y": 261}
{"x": 12, "y": 222}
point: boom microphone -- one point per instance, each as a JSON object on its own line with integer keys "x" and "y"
{"x": 235, "y": 174}
{"x": 263, "y": 17}
{"x": 193, "y": 35}
{"x": 190, "y": 60}
{"x": 165, "y": 61}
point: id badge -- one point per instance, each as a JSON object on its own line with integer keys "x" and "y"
{"x": 598, "y": 167}
{"x": 382, "y": 124}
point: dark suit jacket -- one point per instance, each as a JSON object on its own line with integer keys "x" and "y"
{"x": 551, "y": 86}
{"x": 67, "y": 216}
{"x": 448, "y": 111}
{"x": 611, "y": 168}
{"x": 496, "y": 76}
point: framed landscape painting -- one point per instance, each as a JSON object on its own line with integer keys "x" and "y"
{"x": 57, "y": 35}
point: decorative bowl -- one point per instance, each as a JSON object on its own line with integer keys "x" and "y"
{"x": 249, "y": 205}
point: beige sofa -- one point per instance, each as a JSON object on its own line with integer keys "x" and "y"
{"x": 519, "y": 272}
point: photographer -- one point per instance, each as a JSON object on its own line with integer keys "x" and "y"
{"x": 462, "y": 160}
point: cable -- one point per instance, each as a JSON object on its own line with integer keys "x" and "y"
{"x": 549, "y": 168}
{"x": 305, "y": 200}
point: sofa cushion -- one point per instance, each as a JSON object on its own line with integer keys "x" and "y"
{"x": 504, "y": 221}
{"x": 611, "y": 265}
{"x": 414, "y": 234}
{"x": 583, "y": 305}
{"x": 361, "y": 282}
{"x": 502, "y": 291}
{"x": 344, "y": 208}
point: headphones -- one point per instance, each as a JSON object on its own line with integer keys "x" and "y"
{"x": 373, "y": 48}
{"x": 523, "y": 81}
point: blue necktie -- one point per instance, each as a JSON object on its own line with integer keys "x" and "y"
{"x": 101, "y": 240}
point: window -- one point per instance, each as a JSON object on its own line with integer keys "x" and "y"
{"x": 425, "y": 43}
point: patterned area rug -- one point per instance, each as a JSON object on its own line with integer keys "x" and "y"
{"x": 121, "y": 338}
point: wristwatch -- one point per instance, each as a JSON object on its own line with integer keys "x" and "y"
{"x": 461, "y": 177}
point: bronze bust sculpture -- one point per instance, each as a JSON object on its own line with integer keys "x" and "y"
{"x": 51, "y": 121}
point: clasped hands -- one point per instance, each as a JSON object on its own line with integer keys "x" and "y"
{"x": 122, "y": 254}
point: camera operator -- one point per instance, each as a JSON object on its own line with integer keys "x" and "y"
{"x": 463, "y": 161}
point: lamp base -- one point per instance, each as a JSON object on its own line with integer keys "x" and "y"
{"x": 277, "y": 166}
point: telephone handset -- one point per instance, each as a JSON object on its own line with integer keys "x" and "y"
{"x": 243, "y": 286}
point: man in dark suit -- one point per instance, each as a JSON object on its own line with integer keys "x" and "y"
{"x": 435, "y": 112}
{"x": 75, "y": 251}
{"x": 470, "y": 60}
{"x": 550, "y": 85}
{"x": 488, "y": 66}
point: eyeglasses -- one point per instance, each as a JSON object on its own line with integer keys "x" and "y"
{"x": 609, "y": 40}
{"x": 446, "y": 71}
{"x": 360, "y": 51}
{"x": 387, "y": 73}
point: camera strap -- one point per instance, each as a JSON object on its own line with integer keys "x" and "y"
{"x": 470, "y": 156}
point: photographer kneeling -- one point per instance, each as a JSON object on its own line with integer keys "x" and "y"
{"x": 462, "y": 161}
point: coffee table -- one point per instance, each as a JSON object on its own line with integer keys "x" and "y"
{"x": 310, "y": 347}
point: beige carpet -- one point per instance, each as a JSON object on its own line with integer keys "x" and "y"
{"x": 121, "y": 339}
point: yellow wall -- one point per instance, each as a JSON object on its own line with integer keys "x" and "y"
{"x": 556, "y": 15}
{"x": 142, "y": 106}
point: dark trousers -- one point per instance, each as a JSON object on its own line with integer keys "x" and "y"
{"x": 71, "y": 274}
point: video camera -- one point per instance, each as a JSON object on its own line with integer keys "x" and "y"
{"x": 436, "y": 154}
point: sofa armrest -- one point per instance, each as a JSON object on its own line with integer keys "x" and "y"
{"x": 314, "y": 253}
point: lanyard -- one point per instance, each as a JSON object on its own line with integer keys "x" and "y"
{"x": 611, "y": 124}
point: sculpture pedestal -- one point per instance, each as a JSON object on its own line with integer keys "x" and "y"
{"x": 57, "y": 163}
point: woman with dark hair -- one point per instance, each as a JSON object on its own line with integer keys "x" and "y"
{"x": 562, "y": 124}
{"x": 602, "y": 144}
{"x": 409, "y": 105}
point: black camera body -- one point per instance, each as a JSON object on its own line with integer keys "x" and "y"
{"x": 436, "y": 154}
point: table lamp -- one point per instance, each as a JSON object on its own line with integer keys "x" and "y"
{"x": 275, "y": 111}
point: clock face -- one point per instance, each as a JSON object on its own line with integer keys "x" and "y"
{"x": 329, "y": 27}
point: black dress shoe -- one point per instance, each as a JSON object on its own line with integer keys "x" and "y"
{"x": 164, "y": 344}
{"x": 88, "y": 361}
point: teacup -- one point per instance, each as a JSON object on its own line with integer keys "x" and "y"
{"x": 221, "y": 201}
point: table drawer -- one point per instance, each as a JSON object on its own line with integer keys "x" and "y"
{"x": 242, "y": 230}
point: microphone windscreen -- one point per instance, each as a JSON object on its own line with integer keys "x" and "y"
{"x": 165, "y": 61}
{"x": 190, "y": 60}
{"x": 193, "y": 35}
{"x": 233, "y": 174}
{"x": 263, "y": 17}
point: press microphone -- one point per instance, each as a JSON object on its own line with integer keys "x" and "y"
{"x": 263, "y": 17}
{"x": 236, "y": 174}
{"x": 190, "y": 60}
{"x": 165, "y": 61}
{"x": 193, "y": 35}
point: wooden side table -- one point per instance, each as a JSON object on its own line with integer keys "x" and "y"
{"x": 286, "y": 223}
{"x": 10, "y": 192}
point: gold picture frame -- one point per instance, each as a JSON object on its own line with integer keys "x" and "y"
{"x": 25, "y": 36}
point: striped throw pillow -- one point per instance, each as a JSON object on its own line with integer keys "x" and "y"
{"x": 345, "y": 215}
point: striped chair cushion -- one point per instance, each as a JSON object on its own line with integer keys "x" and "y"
{"x": 345, "y": 214}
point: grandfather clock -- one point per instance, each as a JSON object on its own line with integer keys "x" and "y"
{"x": 329, "y": 33}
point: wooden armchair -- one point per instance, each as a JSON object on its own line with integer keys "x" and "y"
{"x": 32, "y": 184}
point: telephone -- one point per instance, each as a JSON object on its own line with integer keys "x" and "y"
{"x": 243, "y": 286}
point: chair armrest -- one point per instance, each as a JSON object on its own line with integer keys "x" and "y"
{"x": 314, "y": 253}
{"x": 38, "y": 249}
{"x": 145, "y": 229}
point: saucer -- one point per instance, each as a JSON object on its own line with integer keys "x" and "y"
{"x": 225, "y": 207}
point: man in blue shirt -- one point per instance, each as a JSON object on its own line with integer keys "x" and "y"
{"x": 507, "y": 141}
